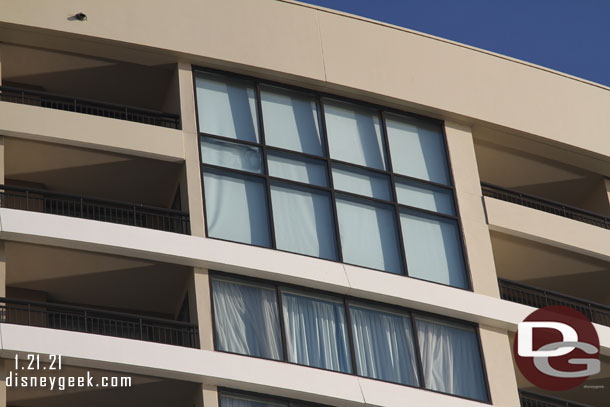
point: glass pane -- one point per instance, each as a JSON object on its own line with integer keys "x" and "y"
{"x": 424, "y": 196}
{"x": 433, "y": 249}
{"x": 312, "y": 230}
{"x": 451, "y": 358}
{"x": 236, "y": 208}
{"x": 246, "y": 319}
{"x": 369, "y": 236}
{"x": 235, "y": 400}
{"x": 231, "y": 155}
{"x": 291, "y": 120}
{"x": 384, "y": 347}
{"x": 316, "y": 332}
{"x": 417, "y": 148}
{"x": 361, "y": 182}
{"x": 297, "y": 168}
{"x": 226, "y": 107}
{"x": 354, "y": 134}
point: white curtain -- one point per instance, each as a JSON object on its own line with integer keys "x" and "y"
{"x": 226, "y": 107}
{"x": 451, "y": 358}
{"x": 236, "y": 208}
{"x": 369, "y": 237}
{"x": 316, "y": 332}
{"x": 246, "y": 319}
{"x": 384, "y": 347}
{"x": 424, "y": 196}
{"x": 357, "y": 181}
{"x": 291, "y": 120}
{"x": 303, "y": 221}
{"x": 433, "y": 249}
{"x": 231, "y": 155}
{"x": 230, "y": 400}
{"x": 295, "y": 168}
{"x": 354, "y": 134}
{"x": 417, "y": 149}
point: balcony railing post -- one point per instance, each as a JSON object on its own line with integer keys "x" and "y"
{"x": 86, "y": 330}
{"x": 29, "y": 314}
{"x": 27, "y": 201}
{"x": 82, "y": 209}
{"x": 135, "y": 216}
{"x": 141, "y": 330}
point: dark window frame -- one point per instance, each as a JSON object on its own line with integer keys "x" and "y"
{"x": 347, "y": 301}
{"x": 264, "y": 148}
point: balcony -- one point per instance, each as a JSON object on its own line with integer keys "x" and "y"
{"x": 541, "y": 204}
{"x": 536, "y": 297}
{"x": 99, "y": 322}
{"x": 39, "y": 200}
{"x": 529, "y": 399}
{"x": 91, "y": 107}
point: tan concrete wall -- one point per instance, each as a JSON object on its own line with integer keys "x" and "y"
{"x": 499, "y": 366}
{"x": 470, "y": 204}
{"x": 200, "y": 306}
{"x": 305, "y": 44}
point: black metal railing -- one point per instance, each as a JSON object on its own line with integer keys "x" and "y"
{"x": 39, "y": 200}
{"x": 92, "y": 107}
{"x": 529, "y": 399}
{"x": 536, "y": 297}
{"x": 545, "y": 205}
{"x": 100, "y": 322}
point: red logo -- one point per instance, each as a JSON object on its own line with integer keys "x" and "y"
{"x": 557, "y": 348}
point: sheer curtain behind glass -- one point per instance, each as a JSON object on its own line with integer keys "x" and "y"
{"x": 226, "y": 107}
{"x": 303, "y": 221}
{"x": 451, "y": 358}
{"x": 316, "y": 332}
{"x": 383, "y": 344}
{"x": 236, "y": 208}
{"x": 246, "y": 319}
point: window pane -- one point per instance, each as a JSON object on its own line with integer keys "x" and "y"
{"x": 227, "y": 400}
{"x": 433, "y": 249}
{"x": 384, "y": 347}
{"x": 231, "y": 155}
{"x": 424, "y": 196}
{"x": 236, "y": 208}
{"x": 451, "y": 358}
{"x": 417, "y": 148}
{"x": 361, "y": 182}
{"x": 303, "y": 221}
{"x": 369, "y": 236}
{"x": 226, "y": 107}
{"x": 316, "y": 333}
{"x": 296, "y": 168}
{"x": 354, "y": 134}
{"x": 291, "y": 120}
{"x": 246, "y": 319}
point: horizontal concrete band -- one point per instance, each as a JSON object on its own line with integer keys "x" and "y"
{"x": 221, "y": 369}
{"x": 53, "y": 230}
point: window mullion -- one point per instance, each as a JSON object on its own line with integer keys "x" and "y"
{"x": 384, "y": 132}
{"x": 420, "y": 366}
{"x": 259, "y": 109}
{"x": 330, "y": 180}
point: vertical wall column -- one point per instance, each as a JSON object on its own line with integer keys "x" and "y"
{"x": 495, "y": 342}
{"x": 191, "y": 148}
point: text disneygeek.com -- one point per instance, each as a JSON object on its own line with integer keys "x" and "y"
{"x": 26, "y": 374}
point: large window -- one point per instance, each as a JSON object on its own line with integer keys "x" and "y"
{"x": 232, "y": 398}
{"x": 311, "y": 174}
{"x": 351, "y": 336}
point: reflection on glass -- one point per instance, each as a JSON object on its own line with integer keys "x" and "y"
{"x": 417, "y": 149}
{"x": 231, "y": 155}
{"x": 362, "y": 182}
{"x": 226, "y": 107}
{"x": 424, "y": 196}
{"x": 297, "y": 168}
{"x": 354, "y": 134}
{"x": 291, "y": 120}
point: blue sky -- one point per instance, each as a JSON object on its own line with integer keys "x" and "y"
{"x": 571, "y": 36}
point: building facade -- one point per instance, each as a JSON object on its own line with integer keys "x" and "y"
{"x": 237, "y": 203}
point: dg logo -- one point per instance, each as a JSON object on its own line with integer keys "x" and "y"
{"x": 557, "y": 348}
